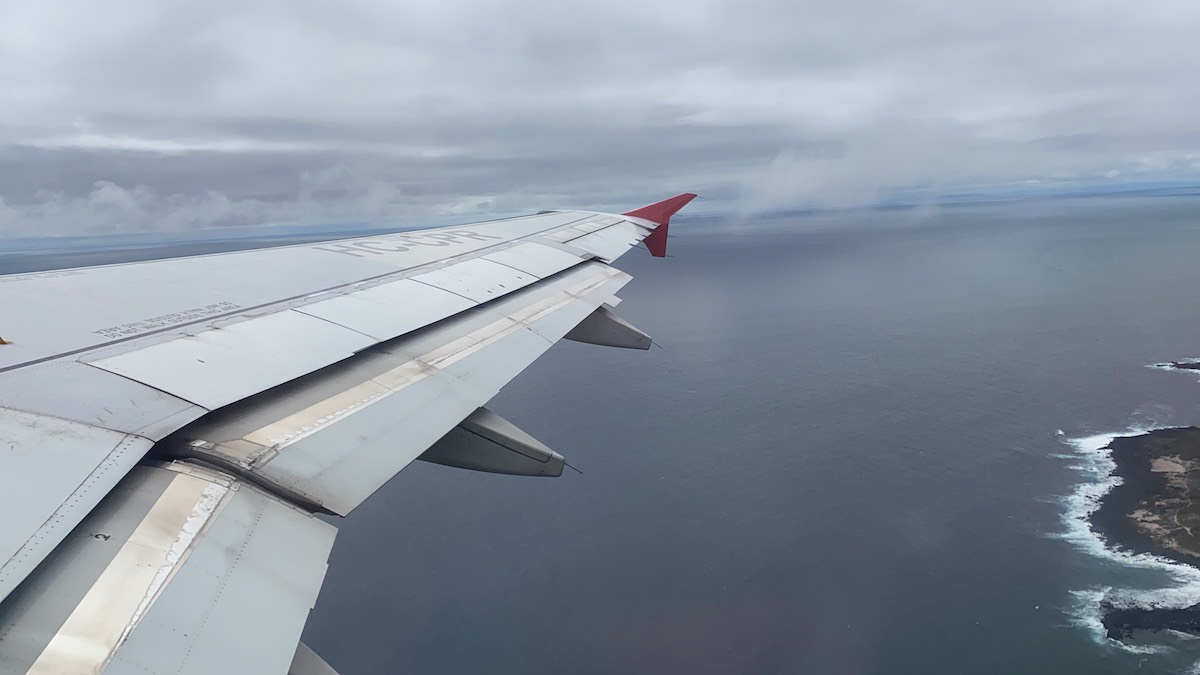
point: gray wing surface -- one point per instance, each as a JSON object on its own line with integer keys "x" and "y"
{"x": 169, "y": 428}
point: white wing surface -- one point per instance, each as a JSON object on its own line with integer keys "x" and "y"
{"x": 169, "y": 428}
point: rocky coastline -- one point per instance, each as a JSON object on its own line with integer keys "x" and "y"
{"x": 1155, "y": 509}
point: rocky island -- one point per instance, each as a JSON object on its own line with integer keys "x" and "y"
{"x": 1156, "y": 509}
{"x": 1181, "y": 365}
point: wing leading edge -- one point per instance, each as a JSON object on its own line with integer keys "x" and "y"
{"x": 206, "y": 431}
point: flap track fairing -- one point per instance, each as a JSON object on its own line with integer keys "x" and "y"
{"x": 603, "y": 327}
{"x": 485, "y": 441}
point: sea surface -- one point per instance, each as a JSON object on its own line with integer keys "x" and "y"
{"x": 866, "y": 445}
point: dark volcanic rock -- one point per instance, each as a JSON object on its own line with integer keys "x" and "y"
{"x": 1147, "y": 490}
{"x": 1153, "y": 510}
{"x": 1123, "y": 623}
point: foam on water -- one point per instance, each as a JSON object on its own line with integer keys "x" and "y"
{"x": 1183, "y": 587}
{"x": 1172, "y": 369}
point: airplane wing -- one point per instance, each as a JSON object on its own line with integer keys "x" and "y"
{"x": 169, "y": 428}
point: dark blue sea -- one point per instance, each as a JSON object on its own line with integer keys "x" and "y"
{"x": 865, "y": 446}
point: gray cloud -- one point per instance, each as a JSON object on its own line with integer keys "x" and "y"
{"x": 132, "y": 114}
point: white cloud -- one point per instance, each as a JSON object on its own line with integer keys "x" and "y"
{"x": 221, "y": 110}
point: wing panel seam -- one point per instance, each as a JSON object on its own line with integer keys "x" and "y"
{"x": 241, "y": 311}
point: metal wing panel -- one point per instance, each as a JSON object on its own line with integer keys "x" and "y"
{"x": 398, "y": 307}
{"x": 221, "y": 365}
{"x": 336, "y": 436}
{"x": 611, "y": 242}
{"x": 239, "y": 602}
{"x": 595, "y": 222}
{"x": 224, "y": 364}
{"x": 46, "y": 316}
{"x": 53, "y": 313}
{"x": 345, "y": 463}
{"x": 179, "y": 570}
{"x": 33, "y": 615}
{"x": 55, "y": 471}
{"x": 49, "y": 314}
{"x": 349, "y": 460}
{"x": 539, "y": 260}
{"x": 446, "y": 375}
{"x": 74, "y": 391}
{"x": 390, "y": 309}
{"x": 407, "y": 250}
{"x": 477, "y": 279}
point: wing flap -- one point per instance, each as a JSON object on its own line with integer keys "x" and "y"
{"x": 241, "y": 612}
{"x": 335, "y": 437}
{"x": 55, "y": 471}
{"x": 179, "y": 570}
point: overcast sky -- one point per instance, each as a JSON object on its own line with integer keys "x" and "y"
{"x": 142, "y": 114}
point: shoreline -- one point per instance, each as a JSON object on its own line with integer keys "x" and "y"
{"x": 1154, "y": 509}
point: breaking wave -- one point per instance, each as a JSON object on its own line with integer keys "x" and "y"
{"x": 1094, "y": 460}
{"x": 1170, "y": 368}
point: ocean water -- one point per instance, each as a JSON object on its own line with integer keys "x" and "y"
{"x": 865, "y": 445}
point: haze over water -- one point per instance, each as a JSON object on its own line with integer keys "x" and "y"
{"x": 844, "y": 459}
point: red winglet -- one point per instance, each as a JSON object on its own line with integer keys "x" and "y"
{"x": 661, "y": 213}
